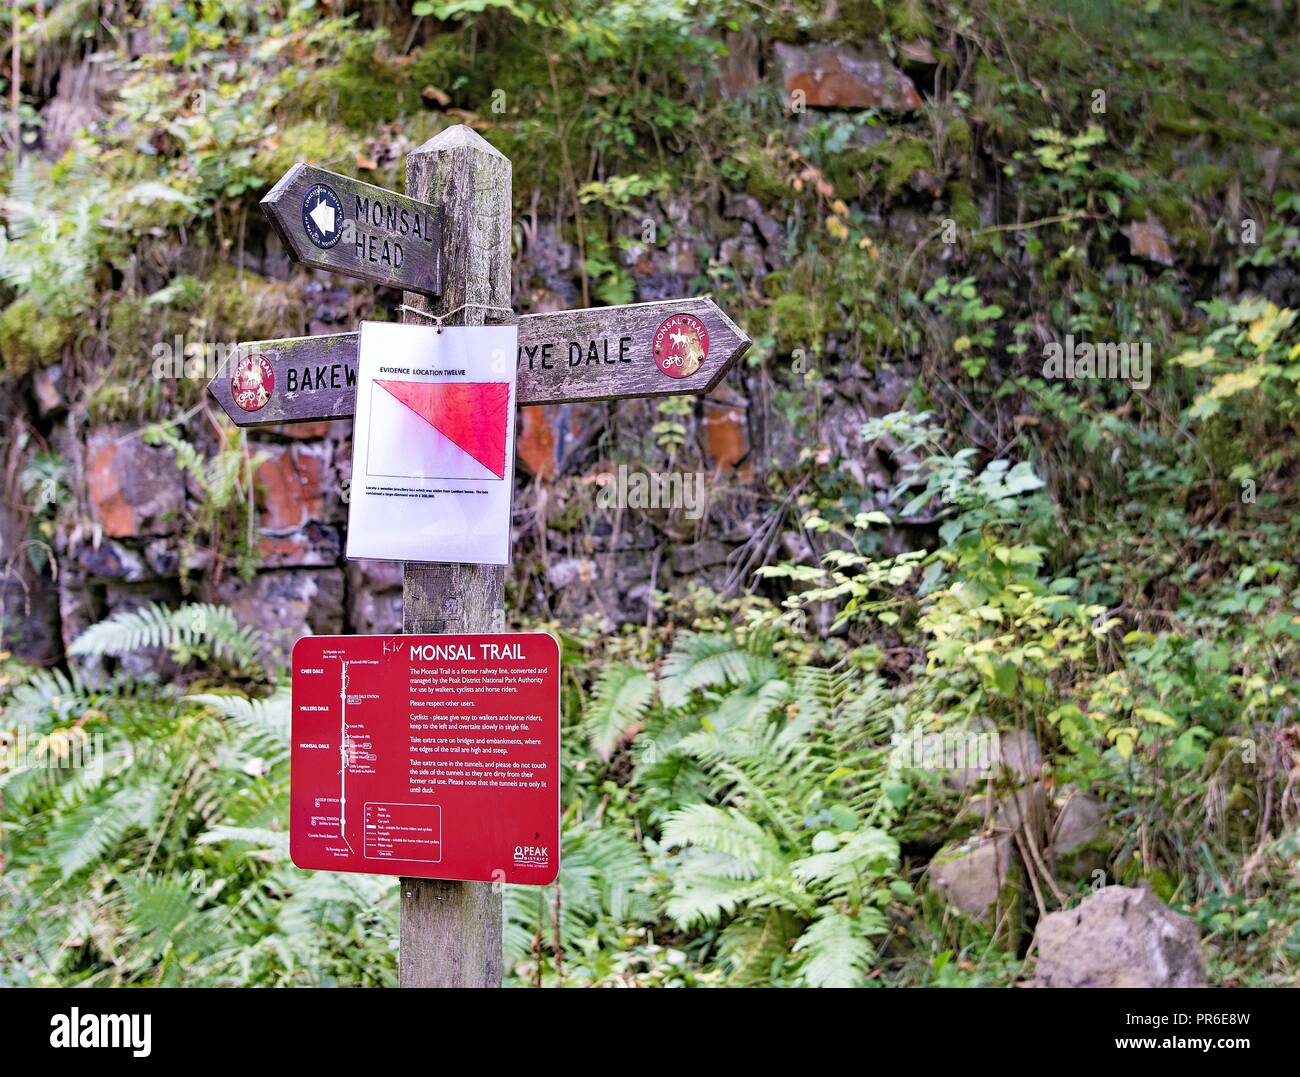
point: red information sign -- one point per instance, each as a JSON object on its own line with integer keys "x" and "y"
{"x": 431, "y": 756}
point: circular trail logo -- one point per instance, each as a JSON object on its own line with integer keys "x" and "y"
{"x": 253, "y": 382}
{"x": 322, "y": 216}
{"x": 681, "y": 344}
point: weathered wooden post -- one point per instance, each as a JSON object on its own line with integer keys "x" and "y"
{"x": 457, "y": 190}
{"x": 451, "y": 931}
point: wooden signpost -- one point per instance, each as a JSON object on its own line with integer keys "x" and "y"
{"x": 457, "y": 269}
{"x": 604, "y": 353}
{"x": 329, "y": 221}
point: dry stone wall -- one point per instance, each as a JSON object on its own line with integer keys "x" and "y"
{"x": 123, "y": 532}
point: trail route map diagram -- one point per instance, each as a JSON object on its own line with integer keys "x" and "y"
{"x": 431, "y": 756}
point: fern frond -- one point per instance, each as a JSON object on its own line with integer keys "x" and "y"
{"x": 48, "y": 694}
{"x": 201, "y": 628}
{"x": 864, "y": 856}
{"x": 327, "y": 896}
{"x": 89, "y": 833}
{"x": 701, "y": 897}
{"x": 22, "y": 211}
{"x": 748, "y": 709}
{"x": 816, "y": 692}
{"x": 837, "y": 949}
{"x": 167, "y": 918}
{"x": 604, "y": 868}
{"x": 623, "y": 694}
{"x": 754, "y": 946}
{"x": 729, "y": 832}
{"x": 269, "y": 717}
{"x": 273, "y": 841}
{"x": 603, "y": 875}
{"x": 699, "y": 661}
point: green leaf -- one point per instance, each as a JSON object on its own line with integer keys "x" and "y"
{"x": 622, "y": 696}
{"x": 837, "y": 950}
{"x": 898, "y": 793}
{"x": 843, "y": 817}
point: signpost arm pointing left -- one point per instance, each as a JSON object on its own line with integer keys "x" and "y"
{"x": 344, "y": 225}
{"x": 451, "y": 931}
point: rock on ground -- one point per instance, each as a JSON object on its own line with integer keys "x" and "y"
{"x": 1015, "y": 757}
{"x": 980, "y": 878}
{"x": 1119, "y": 937}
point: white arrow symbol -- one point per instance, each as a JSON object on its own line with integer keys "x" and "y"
{"x": 323, "y": 215}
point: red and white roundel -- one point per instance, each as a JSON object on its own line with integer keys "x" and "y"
{"x": 681, "y": 345}
{"x": 253, "y": 382}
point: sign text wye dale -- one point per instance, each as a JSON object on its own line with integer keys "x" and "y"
{"x": 664, "y": 348}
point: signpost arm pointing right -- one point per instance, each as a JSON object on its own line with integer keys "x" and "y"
{"x": 451, "y": 931}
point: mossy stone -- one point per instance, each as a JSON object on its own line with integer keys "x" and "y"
{"x": 1175, "y": 115}
{"x": 370, "y": 85}
{"x": 1208, "y": 179}
{"x": 962, "y": 207}
{"x": 909, "y": 20}
{"x": 240, "y": 305}
{"x": 857, "y": 20}
{"x": 775, "y": 283}
{"x": 958, "y": 135}
{"x": 317, "y": 142}
{"x": 795, "y": 323}
{"x": 765, "y": 182}
{"x": 850, "y": 172}
{"x": 31, "y": 337}
{"x": 904, "y": 158}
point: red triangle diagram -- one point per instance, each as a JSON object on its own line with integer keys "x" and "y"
{"x": 472, "y": 415}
